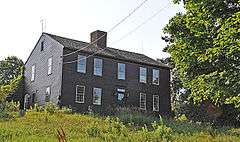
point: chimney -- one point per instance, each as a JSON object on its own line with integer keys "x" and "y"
{"x": 99, "y": 38}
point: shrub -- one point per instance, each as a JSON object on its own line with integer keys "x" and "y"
{"x": 51, "y": 108}
{"x": 160, "y": 132}
{"x": 135, "y": 116}
{"x": 6, "y": 109}
{"x": 12, "y": 106}
{"x": 93, "y": 130}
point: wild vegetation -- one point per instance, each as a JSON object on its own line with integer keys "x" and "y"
{"x": 52, "y": 124}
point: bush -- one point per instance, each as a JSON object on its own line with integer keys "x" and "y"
{"x": 4, "y": 112}
{"x": 135, "y": 116}
{"x": 12, "y": 106}
{"x": 51, "y": 108}
{"x": 160, "y": 132}
{"x": 93, "y": 130}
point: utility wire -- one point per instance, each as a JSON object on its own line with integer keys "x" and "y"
{"x": 115, "y": 26}
{"x": 139, "y": 26}
{"x": 123, "y": 37}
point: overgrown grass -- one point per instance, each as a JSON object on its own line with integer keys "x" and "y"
{"x": 43, "y": 126}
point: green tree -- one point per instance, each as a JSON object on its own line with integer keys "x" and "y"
{"x": 11, "y": 78}
{"x": 178, "y": 92}
{"x": 204, "y": 45}
{"x": 10, "y": 68}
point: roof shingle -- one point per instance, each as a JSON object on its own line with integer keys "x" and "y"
{"x": 108, "y": 52}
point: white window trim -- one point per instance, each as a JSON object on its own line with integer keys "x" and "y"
{"x": 33, "y": 72}
{"x": 140, "y": 75}
{"x": 85, "y": 66}
{"x": 77, "y": 93}
{"x": 118, "y": 66}
{"x": 145, "y": 101}
{"x": 158, "y": 77}
{"x": 100, "y": 97}
{"x": 95, "y": 68}
{"x": 157, "y": 103}
{"x": 49, "y": 66}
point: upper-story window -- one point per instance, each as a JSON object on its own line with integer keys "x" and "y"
{"x": 98, "y": 65}
{"x": 155, "y": 76}
{"x": 49, "y": 66}
{"x": 47, "y": 95}
{"x": 42, "y": 46}
{"x": 80, "y": 91}
{"x": 81, "y": 65}
{"x": 97, "y": 96}
{"x": 155, "y": 103}
{"x": 142, "y": 74}
{"x": 121, "y": 71}
{"x": 33, "y": 73}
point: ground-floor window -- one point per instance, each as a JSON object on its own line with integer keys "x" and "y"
{"x": 121, "y": 96}
{"x": 27, "y": 101}
{"x": 47, "y": 94}
{"x": 155, "y": 103}
{"x": 143, "y": 101}
{"x": 80, "y": 91}
{"x": 97, "y": 95}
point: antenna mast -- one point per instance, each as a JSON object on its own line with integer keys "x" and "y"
{"x": 43, "y": 24}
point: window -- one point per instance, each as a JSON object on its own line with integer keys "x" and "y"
{"x": 120, "y": 94}
{"x": 27, "y": 101}
{"x": 47, "y": 94}
{"x": 81, "y": 65}
{"x": 49, "y": 66}
{"x": 33, "y": 73}
{"x": 142, "y": 101}
{"x": 42, "y": 45}
{"x": 121, "y": 71}
{"x": 155, "y": 103}
{"x": 155, "y": 76}
{"x": 143, "y": 75}
{"x": 97, "y": 95}
{"x": 80, "y": 91}
{"x": 97, "y": 67}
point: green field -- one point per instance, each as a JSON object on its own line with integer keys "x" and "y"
{"x": 42, "y": 126}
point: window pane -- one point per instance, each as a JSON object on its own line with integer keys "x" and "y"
{"x": 81, "y": 66}
{"x": 121, "y": 71}
{"x": 143, "y": 75}
{"x": 49, "y": 66}
{"x": 155, "y": 103}
{"x": 98, "y": 67}
{"x": 143, "y": 101}
{"x": 80, "y": 91}
{"x": 155, "y": 76}
{"x": 47, "y": 95}
{"x": 97, "y": 94}
{"x": 33, "y": 73}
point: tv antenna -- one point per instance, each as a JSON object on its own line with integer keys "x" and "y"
{"x": 43, "y": 24}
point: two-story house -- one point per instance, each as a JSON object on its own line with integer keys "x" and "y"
{"x": 81, "y": 75}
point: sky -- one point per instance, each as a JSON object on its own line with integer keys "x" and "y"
{"x": 20, "y": 23}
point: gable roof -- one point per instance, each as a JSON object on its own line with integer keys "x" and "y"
{"x": 107, "y": 52}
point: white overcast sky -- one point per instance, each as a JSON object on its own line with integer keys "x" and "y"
{"x": 20, "y": 26}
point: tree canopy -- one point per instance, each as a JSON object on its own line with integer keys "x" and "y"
{"x": 11, "y": 77}
{"x": 10, "y": 68}
{"x": 204, "y": 45}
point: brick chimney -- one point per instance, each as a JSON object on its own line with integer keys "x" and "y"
{"x": 101, "y": 38}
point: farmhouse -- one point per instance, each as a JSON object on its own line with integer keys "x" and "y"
{"x": 81, "y": 75}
